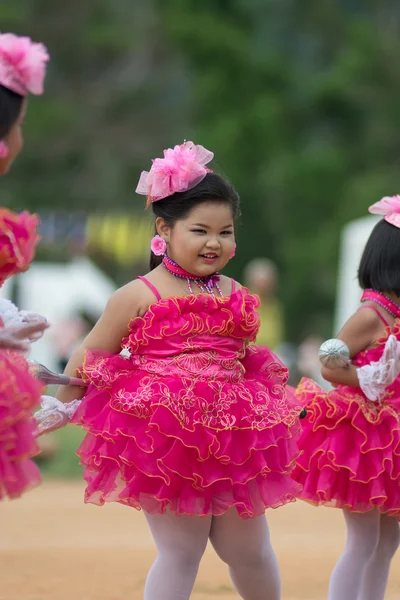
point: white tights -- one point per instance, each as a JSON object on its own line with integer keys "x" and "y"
{"x": 363, "y": 570}
{"x": 244, "y": 545}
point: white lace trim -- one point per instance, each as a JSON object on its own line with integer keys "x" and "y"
{"x": 9, "y": 313}
{"x": 54, "y": 414}
{"x": 377, "y": 376}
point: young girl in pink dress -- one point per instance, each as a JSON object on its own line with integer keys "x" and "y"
{"x": 191, "y": 424}
{"x": 22, "y": 68}
{"x": 351, "y": 437}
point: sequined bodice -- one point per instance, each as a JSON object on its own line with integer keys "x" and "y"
{"x": 196, "y": 324}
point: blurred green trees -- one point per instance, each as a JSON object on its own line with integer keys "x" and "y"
{"x": 298, "y": 100}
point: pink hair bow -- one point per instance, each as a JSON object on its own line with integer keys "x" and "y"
{"x": 389, "y": 207}
{"x": 181, "y": 169}
{"x": 22, "y": 64}
{"x": 18, "y": 240}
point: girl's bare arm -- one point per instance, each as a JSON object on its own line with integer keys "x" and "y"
{"x": 361, "y": 331}
{"x": 107, "y": 334}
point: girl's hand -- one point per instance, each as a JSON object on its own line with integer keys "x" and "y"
{"x": 17, "y": 336}
{"x": 54, "y": 415}
{"x": 32, "y": 318}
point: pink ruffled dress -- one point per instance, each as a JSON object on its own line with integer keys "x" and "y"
{"x": 351, "y": 446}
{"x": 195, "y": 420}
{"x": 19, "y": 396}
{"x": 19, "y": 391}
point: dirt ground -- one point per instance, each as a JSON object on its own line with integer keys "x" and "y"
{"x": 52, "y": 546}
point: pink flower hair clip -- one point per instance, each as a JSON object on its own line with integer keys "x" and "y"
{"x": 181, "y": 169}
{"x": 18, "y": 240}
{"x": 22, "y": 64}
{"x": 389, "y": 208}
{"x": 158, "y": 245}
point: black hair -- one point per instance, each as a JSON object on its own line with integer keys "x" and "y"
{"x": 213, "y": 188}
{"x": 380, "y": 263}
{"x": 10, "y": 109}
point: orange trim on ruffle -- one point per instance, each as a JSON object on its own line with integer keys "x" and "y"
{"x": 389, "y": 330}
{"x": 312, "y": 405}
{"x": 19, "y": 395}
{"x": 163, "y": 475}
{"x": 372, "y": 411}
{"x": 291, "y": 424}
{"x": 393, "y": 512}
{"x": 322, "y": 399}
{"x": 250, "y": 319}
{"x": 110, "y": 437}
{"x": 127, "y": 501}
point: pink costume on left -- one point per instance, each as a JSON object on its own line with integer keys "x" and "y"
{"x": 19, "y": 391}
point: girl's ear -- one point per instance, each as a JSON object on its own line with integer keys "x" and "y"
{"x": 163, "y": 229}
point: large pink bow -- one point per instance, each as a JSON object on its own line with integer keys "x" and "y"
{"x": 22, "y": 64}
{"x": 18, "y": 240}
{"x": 389, "y": 207}
{"x": 181, "y": 169}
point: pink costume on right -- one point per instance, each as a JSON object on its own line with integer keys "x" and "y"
{"x": 350, "y": 445}
{"x": 195, "y": 420}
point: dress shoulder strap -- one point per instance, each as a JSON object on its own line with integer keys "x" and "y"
{"x": 233, "y": 286}
{"x": 378, "y": 312}
{"x": 151, "y": 286}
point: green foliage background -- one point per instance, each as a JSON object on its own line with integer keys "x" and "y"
{"x": 298, "y": 100}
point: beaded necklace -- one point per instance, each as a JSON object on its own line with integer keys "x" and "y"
{"x": 206, "y": 285}
{"x": 386, "y": 303}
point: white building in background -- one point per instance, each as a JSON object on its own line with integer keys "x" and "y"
{"x": 354, "y": 238}
{"x": 60, "y": 291}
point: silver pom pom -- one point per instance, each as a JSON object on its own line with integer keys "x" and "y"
{"x": 334, "y": 353}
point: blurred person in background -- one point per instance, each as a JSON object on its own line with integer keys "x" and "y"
{"x": 68, "y": 334}
{"x": 261, "y": 278}
{"x": 308, "y": 364}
